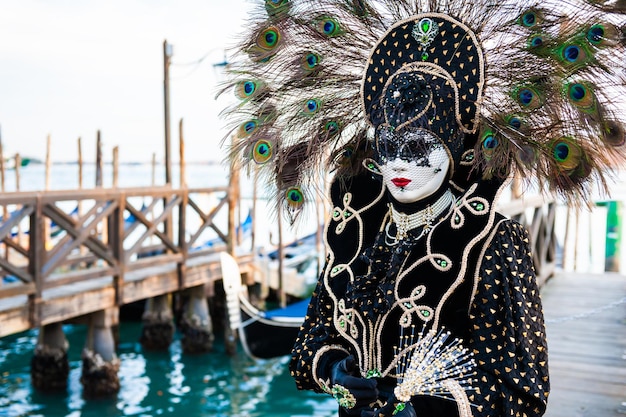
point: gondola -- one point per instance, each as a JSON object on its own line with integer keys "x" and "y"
{"x": 263, "y": 334}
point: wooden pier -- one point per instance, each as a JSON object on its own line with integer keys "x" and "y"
{"x": 125, "y": 245}
{"x": 586, "y": 329}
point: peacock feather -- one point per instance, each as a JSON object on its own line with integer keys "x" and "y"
{"x": 552, "y": 106}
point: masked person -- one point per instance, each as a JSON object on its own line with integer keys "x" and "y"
{"x": 428, "y": 303}
{"x": 439, "y": 262}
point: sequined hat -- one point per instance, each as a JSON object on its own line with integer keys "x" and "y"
{"x": 427, "y": 72}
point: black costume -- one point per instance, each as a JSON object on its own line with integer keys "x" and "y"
{"x": 483, "y": 291}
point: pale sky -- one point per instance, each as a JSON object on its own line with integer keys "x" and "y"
{"x": 69, "y": 68}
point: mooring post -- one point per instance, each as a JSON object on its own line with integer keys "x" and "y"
{"x": 49, "y": 367}
{"x": 158, "y": 323}
{"x": 100, "y": 363}
{"x": 196, "y": 325}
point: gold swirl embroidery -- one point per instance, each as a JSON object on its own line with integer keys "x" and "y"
{"x": 344, "y": 214}
{"x": 345, "y": 319}
{"x": 477, "y": 206}
{"x": 409, "y": 306}
{"x": 441, "y": 262}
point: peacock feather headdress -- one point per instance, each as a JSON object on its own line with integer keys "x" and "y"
{"x": 516, "y": 86}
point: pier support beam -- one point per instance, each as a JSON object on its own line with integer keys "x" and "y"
{"x": 100, "y": 363}
{"x": 196, "y": 325}
{"x": 158, "y": 324}
{"x": 49, "y": 367}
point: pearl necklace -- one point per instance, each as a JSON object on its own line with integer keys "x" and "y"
{"x": 406, "y": 222}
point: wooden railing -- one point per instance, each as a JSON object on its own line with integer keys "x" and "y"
{"x": 114, "y": 239}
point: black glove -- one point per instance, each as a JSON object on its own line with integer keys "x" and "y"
{"x": 347, "y": 384}
{"x": 403, "y": 410}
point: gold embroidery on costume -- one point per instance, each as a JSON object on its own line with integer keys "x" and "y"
{"x": 460, "y": 396}
{"x": 475, "y": 205}
{"x": 344, "y": 214}
{"x": 424, "y": 312}
{"x": 346, "y": 319}
{"x": 325, "y": 385}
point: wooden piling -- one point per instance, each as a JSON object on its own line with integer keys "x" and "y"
{"x": 116, "y": 166}
{"x": 195, "y": 324}
{"x": 99, "y": 181}
{"x": 80, "y": 168}
{"x": 18, "y": 164}
{"x": 183, "y": 174}
{"x": 2, "y": 190}
{"x": 49, "y": 367}
{"x": 233, "y": 196}
{"x": 282, "y": 297}
{"x": 100, "y": 368}
{"x": 181, "y": 268}
{"x": 2, "y": 168}
{"x": 255, "y": 185}
{"x": 98, "y": 160}
{"x": 79, "y": 206}
{"x": 47, "y": 223}
{"x": 48, "y": 162}
{"x": 158, "y": 323}
{"x": 167, "y": 54}
{"x": 150, "y": 213}
{"x": 154, "y": 164}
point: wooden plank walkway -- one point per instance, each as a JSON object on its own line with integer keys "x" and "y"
{"x": 586, "y": 329}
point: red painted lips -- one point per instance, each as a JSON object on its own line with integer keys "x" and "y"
{"x": 400, "y": 182}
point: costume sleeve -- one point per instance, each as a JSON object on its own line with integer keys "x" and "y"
{"x": 318, "y": 345}
{"x": 508, "y": 334}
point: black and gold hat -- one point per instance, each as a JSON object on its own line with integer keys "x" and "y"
{"x": 426, "y": 72}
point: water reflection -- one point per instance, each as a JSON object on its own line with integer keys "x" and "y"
{"x": 158, "y": 383}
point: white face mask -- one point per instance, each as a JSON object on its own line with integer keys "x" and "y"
{"x": 409, "y": 181}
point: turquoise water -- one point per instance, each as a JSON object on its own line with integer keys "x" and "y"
{"x": 158, "y": 383}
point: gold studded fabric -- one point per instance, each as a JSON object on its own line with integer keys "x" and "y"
{"x": 508, "y": 334}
